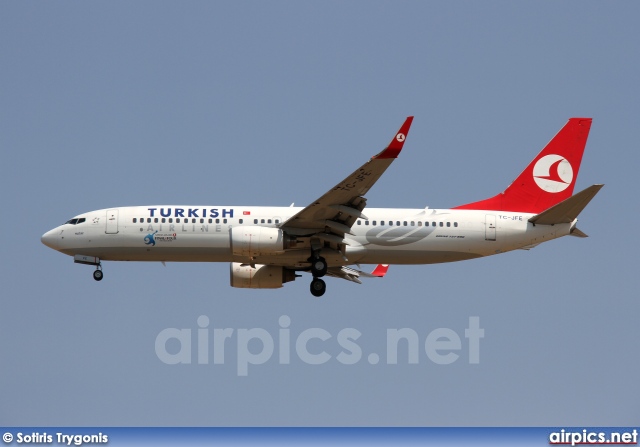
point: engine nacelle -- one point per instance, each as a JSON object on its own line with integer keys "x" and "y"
{"x": 251, "y": 241}
{"x": 261, "y": 277}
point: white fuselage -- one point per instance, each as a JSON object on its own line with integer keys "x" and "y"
{"x": 390, "y": 236}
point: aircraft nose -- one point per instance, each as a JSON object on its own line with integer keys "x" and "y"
{"x": 50, "y": 239}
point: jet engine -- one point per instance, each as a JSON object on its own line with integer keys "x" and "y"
{"x": 251, "y": 241}
{"x": 261, "y": 277}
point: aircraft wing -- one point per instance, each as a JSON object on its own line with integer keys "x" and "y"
{"x": 351, "y": 274}
{"x": 331, "y": 216}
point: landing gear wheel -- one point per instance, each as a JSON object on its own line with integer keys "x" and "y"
{"x": 97, "y": 275}
{"x": 318, "y": 287}
{"x": 319, "y": 267}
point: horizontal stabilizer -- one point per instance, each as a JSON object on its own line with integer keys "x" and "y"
{"x": 567, "y": 210}
{"x": 578, "y": 233}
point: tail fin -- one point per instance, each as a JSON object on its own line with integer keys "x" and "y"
{"x": 550, "y": 177}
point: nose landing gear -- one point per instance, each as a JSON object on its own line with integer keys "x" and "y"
{"x": 90, "y": 260}
{"x": 97, "y": 273}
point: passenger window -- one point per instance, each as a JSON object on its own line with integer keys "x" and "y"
{"x": 433, "y": 224}
{"x": 148, "y": 220}
{"x": 171, "y": 220}
{"x": 135, "y": 220}
{"x": 277, "y": 221}
{"x": 155, "y": 220}
{"x": 241, "y": 220}
{"x": 269, "y": 221}
{"x": 405, "y": 223}
{"x": 164, "y": 220}
{"x": 359, "y": 223}
{"x": 455, "y": 224}
{"x": 382, "y": 223}
{"x": 210, "y": 220}
{"x": 390, "y": 223}
{"x": 398, "y": 223}
{"x": 255, "y": 221}
{"x": 413, "y": 224}
{"x": 262, "y": 221}
{"x": 373, "y": 223}
{"x": 442, "y": 224}
{"x": 366, "y": 222}
{"x": 448, "y": 224}
{"x": 177, "y": 220}
{"x": 217, "y": 221}
{"x": 224, "y": 220}
{"x": 420, "y": 223}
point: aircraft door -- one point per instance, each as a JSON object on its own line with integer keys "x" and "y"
{"x": 112, "y": 221}
{"x": 490, "y": 227}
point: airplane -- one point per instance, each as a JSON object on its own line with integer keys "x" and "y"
{"x": 267, "y": 247}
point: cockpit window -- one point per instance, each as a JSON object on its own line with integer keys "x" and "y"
{"x": 76, "y": 221}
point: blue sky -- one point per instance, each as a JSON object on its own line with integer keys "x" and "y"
{"x": 107, "y": 104}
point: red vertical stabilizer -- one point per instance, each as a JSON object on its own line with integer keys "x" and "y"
{"x": 550, "y": 177}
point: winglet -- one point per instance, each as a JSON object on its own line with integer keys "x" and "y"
{"x": 380, "y": 270}
{"x": 394, "y": 148}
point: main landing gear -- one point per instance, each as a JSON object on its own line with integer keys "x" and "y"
{"x": 318, "y": 287}
{"x": 97, "y": 273}
{"x": 319, "y": 268}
